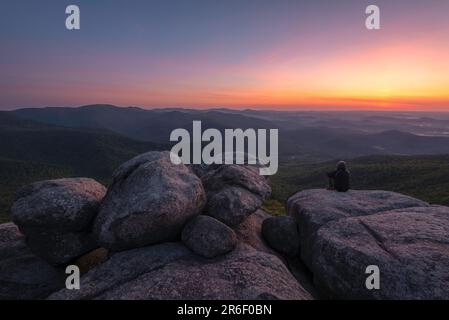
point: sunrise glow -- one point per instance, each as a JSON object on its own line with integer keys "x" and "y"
{"x": 290, "y": 56}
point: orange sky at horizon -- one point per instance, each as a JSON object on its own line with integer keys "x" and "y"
{"x": 316, "y": 59}
{"x": 387, "y": 78}
{"x": 397, "y": 76}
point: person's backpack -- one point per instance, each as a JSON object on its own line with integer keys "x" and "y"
{"x": 342, "y": 180}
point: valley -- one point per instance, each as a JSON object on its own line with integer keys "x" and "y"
{"x": 91, "y": 141}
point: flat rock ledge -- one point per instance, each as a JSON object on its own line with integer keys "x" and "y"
{"x": 341, "y": 234}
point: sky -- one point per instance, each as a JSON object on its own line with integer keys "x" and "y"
{"x": 283, "y": 54}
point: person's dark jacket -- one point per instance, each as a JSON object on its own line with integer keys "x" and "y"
{"x": 341, "y": 179}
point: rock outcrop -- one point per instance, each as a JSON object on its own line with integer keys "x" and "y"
{"x": 341, "y": 234}
{"x": 167, "y": 231}
{"x": 171, "y": 271}
{"x": 148, "y": 202}
{"x": 149, "y": 208}
{"x": 409, "y": 246}
{"x": 314, "y": 208}
{"x": 56, "y": 217}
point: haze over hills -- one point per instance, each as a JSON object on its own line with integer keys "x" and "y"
{"x": 90, "y": 151}
{"x": 146, "y": 125}
{"x": 47, "y": 143}
{"x": 122, "y": 119}
{"x": 32, "y": 151}
{"x": 302, "y": 135}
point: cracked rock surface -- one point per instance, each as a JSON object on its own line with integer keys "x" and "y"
{"x": 343, "y": 234}
{"x": 314, "y": 208}
{"x": 171, "y": 271}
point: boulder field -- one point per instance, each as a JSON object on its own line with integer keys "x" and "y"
{"x": 165, "y": 231}
{"x": 159, "y": 231}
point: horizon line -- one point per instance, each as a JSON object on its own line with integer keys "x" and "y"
{"x": 237, "y": 108}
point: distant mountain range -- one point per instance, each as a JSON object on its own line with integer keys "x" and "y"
{"x": 303, "y": 135}
{"x": 92, "y": 141}
{"x": 31, "y": 151}
{"x": 328, "y": 143}
{"x": 92, "y": 151}
{"x": 139, "y": 124}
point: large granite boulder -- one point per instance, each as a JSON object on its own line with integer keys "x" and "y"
{"x": 62, "y": 205}
{"x": 281, "y": 233}
{"x": 208, "y": 237}
{"x": 23, "y": 275}
{"x": 171, "y": 271}
{"x": 148, "y": 202}
{"x": 56, "y": 217}
{"x": 409, "y": 246}
{"x": 312, "y": 209}
{"x": 342, "y": 234}
{"x": 234, "y": 192}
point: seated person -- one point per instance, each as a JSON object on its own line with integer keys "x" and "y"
{"x": 339, "y": 179}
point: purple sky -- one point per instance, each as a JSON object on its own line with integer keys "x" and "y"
{"x": 247, "y": 53}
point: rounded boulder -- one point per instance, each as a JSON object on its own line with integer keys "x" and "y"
{"x": 282, "y": 235}
{"x": 58, "y": 205}
{"x": 234, "y": 192}
{"x": 148, "y": 202}
{"x": 208, "y": 237}
{"x": 56, "y": 217}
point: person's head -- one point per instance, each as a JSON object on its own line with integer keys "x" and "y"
{"x": 341, "y": 165}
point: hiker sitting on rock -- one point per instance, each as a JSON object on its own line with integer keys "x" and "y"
{"x": 339, "y": 179}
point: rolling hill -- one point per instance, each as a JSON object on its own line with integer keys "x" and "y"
{"x": 423, "y": 177}
{"x": 16, "y": 173}
{"x": 92, "y": 141}
{"x": 302, "y": 138}
{"x": 32, "y": 151}
{"x": 139, "y": 124}
{"x": 330, "y": 143}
